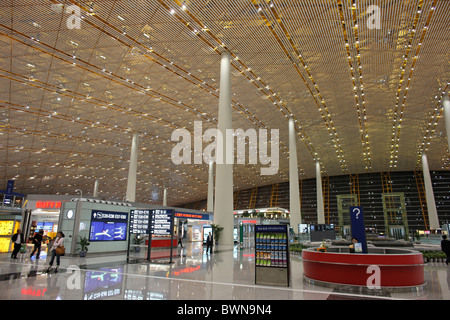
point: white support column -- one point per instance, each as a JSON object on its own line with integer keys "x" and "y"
{"x": 294, "y": 193}
{"x": 429, "y": 194}
{"x": 95, "y": 193}
{"x": 223, "y": 203}
{"x": 165, "y": 197}
{"x": 446, "y": 104}
{"x": 320, "y": 211}
{"x": 210, "y": 203}
{"x": 132, "y": 171}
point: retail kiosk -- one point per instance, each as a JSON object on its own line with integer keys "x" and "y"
{"x": 42, "y": 212}
{"x": 107, "y": 224}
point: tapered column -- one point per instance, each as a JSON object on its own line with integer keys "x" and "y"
{"x": 429, "y": 194}
{"x": 446, "y": 104}
{"x": 210, "y": 201}
{"x": 223, "y": 206}
{"x": 165, "y": 197}
{"x": 294, "y": 193}
{"x": 132, "y": 170}
{"x": 320, "y": 211}
{"x": 95, "y": 193}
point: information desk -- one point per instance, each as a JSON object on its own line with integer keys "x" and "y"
{"x": 399, "y": 268}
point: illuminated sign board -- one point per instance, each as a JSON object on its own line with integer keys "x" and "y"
{"x": 6, "y": 227}
{"x": 249, "y": 221}
{"x": 191, "y": 215}
{"x": 48, "y": 204}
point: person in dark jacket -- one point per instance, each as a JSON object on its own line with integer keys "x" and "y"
{"x": 17, "y": 239}
{"x": 445, "y": 246}
{"x": 37, "y": 241}
{"x": 209, "y": 243}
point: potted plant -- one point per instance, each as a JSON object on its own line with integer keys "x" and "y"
{"x": 216, "y": 231}
{"x": 84, "y": 243}
{"x": 137, "y": 240}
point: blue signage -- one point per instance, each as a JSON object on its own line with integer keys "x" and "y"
{"x": 161, "y": 222}
{"x": 358, "y": 228}
{"x": 139, "y": 221}
{"x": 9, "y": 192}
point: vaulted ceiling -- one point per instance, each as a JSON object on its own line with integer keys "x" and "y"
{"x": 365, "y": 97}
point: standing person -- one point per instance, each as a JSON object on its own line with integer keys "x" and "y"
{"x": 58, "y": 243}
{"x": 37, "y": 241}
{"x": 179, "y": 240}
{"x": 445, "y": 246}
{"x": 17, "y": 239}
{"x": 209, "y": 243}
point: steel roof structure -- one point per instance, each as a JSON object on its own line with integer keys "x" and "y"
{"x": 363, "y": 79}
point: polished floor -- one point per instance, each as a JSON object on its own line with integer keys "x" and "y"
{"x": 228, "y": 274}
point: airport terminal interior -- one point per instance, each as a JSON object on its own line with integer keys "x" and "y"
{"x": 224, "y": 150}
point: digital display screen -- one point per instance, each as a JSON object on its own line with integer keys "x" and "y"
{"x": 108, "y": 226}
{"x": 46, "y": 226}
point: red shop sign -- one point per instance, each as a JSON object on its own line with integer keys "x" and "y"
{"x": 48, "y": 204}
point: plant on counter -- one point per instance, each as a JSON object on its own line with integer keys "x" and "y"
{"x": 322, "y": 247}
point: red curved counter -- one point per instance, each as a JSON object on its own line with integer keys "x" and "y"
{"x": 398, "y": 267}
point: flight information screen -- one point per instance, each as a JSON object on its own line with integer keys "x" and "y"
{"x": 108, "y": 226}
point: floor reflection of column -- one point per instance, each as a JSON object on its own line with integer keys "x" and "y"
{"x": 222, "y": 272}
{"x": 444, "y": 280}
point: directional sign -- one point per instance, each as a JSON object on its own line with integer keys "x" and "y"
{"x": 161, "y": 222}
{"x": 139, "y": 221}
{"x": 9, "y": 191}
{"x": 358, "y": 228}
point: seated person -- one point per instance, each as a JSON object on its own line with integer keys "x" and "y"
{"x": 352, "y": 245}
